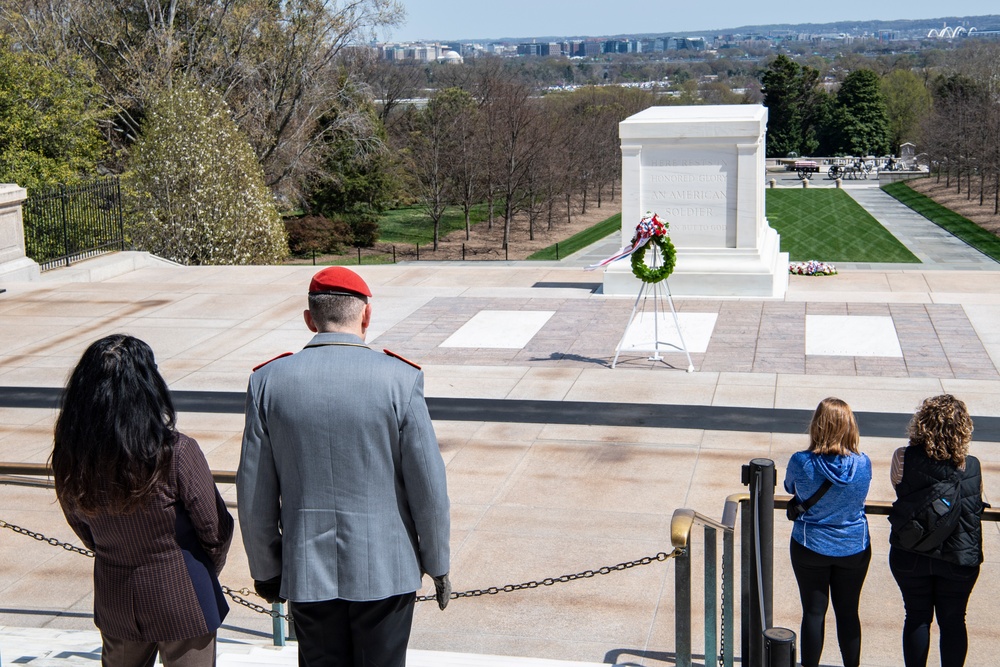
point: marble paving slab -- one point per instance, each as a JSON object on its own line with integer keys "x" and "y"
{"x": 505, "y": 329}
{"x": 852, "y": 336}
{"x": 648, "y": 329}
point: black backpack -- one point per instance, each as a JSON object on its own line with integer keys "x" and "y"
{"x": 924, "y": 519}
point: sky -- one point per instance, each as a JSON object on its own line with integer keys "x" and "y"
{"x": 443, "y": 20}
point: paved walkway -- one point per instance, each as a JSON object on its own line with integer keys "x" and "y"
{"x": 531, "y": 498}
{"x": 933, "y": 246}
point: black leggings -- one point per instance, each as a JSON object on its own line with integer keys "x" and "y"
{"x": 821, "y": 578}
{"x": 933, "y": 588}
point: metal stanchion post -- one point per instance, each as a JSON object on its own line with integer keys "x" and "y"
{"x": 759, "y": 475}
{"x": 278, "y": 623}
{"x": 779, "y": 647}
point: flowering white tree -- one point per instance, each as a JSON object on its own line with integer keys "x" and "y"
{"x": 196, "y": 191}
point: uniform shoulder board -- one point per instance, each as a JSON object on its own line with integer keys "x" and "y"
{"x": 283, "y": 354}
{"x": 393, "y": 354}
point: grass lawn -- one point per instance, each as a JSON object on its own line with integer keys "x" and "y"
{"x": 580, "y": 240}
{"x": 952, "y": 222}
{"x": 828, "y": 226}
{"x": 412, "y": 225}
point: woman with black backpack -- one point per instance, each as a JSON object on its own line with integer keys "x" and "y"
{"x": 936, "y": 538}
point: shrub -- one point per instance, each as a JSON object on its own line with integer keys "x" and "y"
{"x": 315, "y": 233}
{"x": 196, "y": 191}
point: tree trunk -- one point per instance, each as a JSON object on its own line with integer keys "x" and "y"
{"x": 569, "y": 210}
{"x": 489, "y": 198}
{"x": 996, "y": 194}
{"x": 507, "y": 215}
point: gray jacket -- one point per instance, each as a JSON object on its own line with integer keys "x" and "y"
{"x": 341, "y": 485}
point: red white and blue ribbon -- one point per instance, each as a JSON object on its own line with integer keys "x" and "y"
{"x": 648, "y": 227}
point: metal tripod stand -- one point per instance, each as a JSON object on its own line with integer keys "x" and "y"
{"x": 659, "y": 290}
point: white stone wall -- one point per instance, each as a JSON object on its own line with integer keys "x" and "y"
{"x": 14, "y": 265}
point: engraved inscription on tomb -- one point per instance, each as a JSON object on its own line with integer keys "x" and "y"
{"x": 690, "y": 188}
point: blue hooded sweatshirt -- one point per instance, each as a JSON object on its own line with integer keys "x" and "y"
{"x": 836, "y": 525}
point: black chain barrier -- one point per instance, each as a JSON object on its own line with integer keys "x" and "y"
{"x": 549, "y": 581}
{"x": 49, "y": 540}
{"x": 238, "y": 596}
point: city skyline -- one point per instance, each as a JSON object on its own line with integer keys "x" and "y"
{"x": 452, "y": 20}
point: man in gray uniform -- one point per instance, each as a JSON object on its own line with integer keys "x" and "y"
{"x": 342, "y": 499}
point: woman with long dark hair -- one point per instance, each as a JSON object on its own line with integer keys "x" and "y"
{"x": 830, "y": 547}
{"x": 936, "y": 582}
{"x": 141, "y": 496}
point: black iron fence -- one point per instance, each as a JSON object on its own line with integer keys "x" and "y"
{"x": 66, "y": 224}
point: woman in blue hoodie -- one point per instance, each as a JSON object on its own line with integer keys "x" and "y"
{"x": 830, "y": 546}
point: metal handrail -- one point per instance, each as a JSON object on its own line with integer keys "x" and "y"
{"x": 681, "y": 524}
{"x": 45, "y": 470}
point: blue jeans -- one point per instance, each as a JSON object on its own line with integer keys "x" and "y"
{"x": 933, "y": 588}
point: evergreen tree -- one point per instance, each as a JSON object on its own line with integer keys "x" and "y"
{"x": 355, "y": 184}
{"x": 863, "y": 121}
{"x": 790, "y": 97}
{"x": 196, "y": 190}
{"x": 48, "y": 119}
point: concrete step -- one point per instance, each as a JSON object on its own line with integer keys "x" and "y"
{"x": 43, "y": 647}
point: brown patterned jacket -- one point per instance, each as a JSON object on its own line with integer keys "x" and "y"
{"x": 156, "y": 569}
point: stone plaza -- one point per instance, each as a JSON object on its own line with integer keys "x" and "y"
{"x": 549, "y": 492}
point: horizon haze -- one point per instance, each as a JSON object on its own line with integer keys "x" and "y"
{"x": 445, "y": 20}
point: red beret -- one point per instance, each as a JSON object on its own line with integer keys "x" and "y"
{"x": 338, "y": 280}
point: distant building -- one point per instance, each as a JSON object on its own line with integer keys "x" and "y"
{"x": 689, "y": 43}
{"x": 415, "y": 51}
{"x": 450, "y": 57}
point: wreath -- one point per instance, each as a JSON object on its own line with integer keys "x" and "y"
{"x": 650, "y": 230}
{"x": 653, "y": 231}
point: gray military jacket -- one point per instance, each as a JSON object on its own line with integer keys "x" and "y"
{"x": 341, "y": 485}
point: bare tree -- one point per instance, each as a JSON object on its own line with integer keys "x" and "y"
{"x": 391, "y": 83}
{"x": 276, "y": 65}
{"x": 517, "y": 117}
{"x": 437, "y": 142}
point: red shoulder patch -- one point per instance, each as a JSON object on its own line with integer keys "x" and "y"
{"x": 283, "y": 354}
{"x": 393, "y": 354}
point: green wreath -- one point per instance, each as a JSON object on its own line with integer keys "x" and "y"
{"x": 668, "y": 253}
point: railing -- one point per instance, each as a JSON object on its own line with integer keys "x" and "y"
{"x": 65, "y": 224}
{"x": 681, "y": 525}
{"x": 683, "y": 521}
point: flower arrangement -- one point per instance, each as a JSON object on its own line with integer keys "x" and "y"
{"x": 812, "y": 268}
{"x": 649, "y": 230}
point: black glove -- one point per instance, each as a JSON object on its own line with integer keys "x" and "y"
{"x": 442, "y": 590}
{"x": 270, "y": 590}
